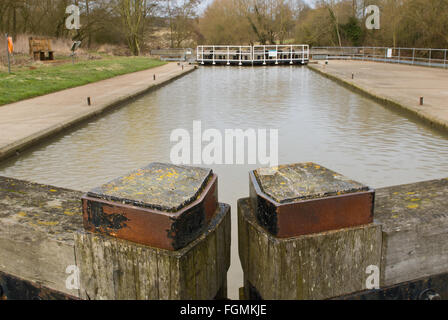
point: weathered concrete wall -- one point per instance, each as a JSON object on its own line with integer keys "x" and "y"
{"x": 409, "y": 243}
{"x": 37, "y": 223}
{"x": 415, "y": 230}
{"x": 38, "y": 228}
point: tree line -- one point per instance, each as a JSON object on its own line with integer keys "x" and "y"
{"x": 130, "y": 22}
{"x": 405, "y": 23}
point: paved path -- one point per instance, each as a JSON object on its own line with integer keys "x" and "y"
{"x": 397, "y": 85}
{"x": 29, "y": 121}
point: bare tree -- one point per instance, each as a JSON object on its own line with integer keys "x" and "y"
{"x": 133, "y": 14}
{"x": 330, "y": 5}
{"x": 181, "y": 16}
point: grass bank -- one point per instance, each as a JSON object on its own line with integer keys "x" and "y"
{"x": 25, "y": 83}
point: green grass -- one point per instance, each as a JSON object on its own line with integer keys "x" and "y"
{"x": 25, "y": 83}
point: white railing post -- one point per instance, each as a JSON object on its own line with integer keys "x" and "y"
{"x": 444, "y": 59}
{"x": 202, "y": 54}
{"x": 252, "y": 54}
{"x": 290, "y": 55}
{"x": 303, "y": 54}
{"x": 264, "y": 54}
{"x": 276, "y": 54}
{"x": 241, "y": 55}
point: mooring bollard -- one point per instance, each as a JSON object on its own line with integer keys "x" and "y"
{"x": 306, "y": 233}
{"x": 157, "y": 233}
{"x": 421, "y": 101}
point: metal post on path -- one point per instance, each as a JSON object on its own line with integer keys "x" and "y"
{"x": 7, "y": 53}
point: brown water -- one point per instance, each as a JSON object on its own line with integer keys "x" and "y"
{"x": 317, "y": 119}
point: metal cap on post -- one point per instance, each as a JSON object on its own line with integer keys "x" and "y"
{"x": 161, "y": 205}
{"x": 306, "y": 198}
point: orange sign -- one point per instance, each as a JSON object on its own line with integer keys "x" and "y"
{"x": 10, "y": 45}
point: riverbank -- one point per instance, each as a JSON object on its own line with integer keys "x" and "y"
{"x": 28, "y": 122}
{"x": 41, "y": 79}
{"x": 399, "y": 86}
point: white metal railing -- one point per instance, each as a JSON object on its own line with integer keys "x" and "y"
{"x": 229, "y": 54}
{"x": 281, "y": 53}
{"x": 414, "y": 56}
{"x": 225, "y": 54}
{"x": 174, "y": 54}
